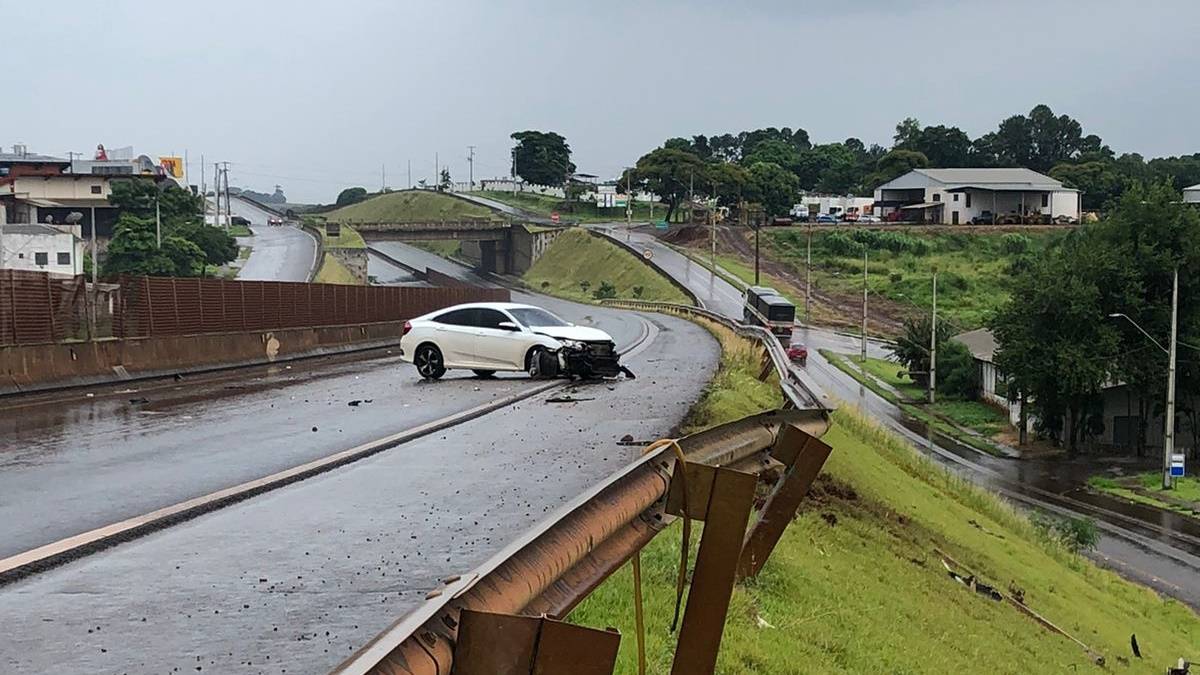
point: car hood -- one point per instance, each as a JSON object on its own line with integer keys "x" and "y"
{"x": 580, "y": 333}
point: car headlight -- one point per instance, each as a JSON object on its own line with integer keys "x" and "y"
{"x": 573, "y": 344}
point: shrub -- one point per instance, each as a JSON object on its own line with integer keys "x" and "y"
{"x": 957, "y": 377}
{"x": 585, "y": 285}
{"x": 895, "y": 277}
{"x": 606, "y": 290}
{"x": 953, "y": 281}
{"x": 1014, "y": 243}
{"x": 1076, "y": 534}
{"x": 839, "y": 243}
{"x": 638, "y": 291}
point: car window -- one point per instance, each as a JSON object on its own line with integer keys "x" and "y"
{"x": 489, "y": 318}
{"x": 532, "y": 316}
{"x": 458, "y": 317}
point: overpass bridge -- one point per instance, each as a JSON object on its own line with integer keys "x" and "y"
{"x": 495, "y": 245}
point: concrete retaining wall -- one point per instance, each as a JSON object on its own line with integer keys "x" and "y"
{"x": 354, "y": 260}
{"x": 55, "y": 366}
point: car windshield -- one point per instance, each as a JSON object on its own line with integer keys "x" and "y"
{"x": 532, "y": 316}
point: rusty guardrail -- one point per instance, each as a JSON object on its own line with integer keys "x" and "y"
{"x": 798, "y": 392}
{"x": 505, "y": 616}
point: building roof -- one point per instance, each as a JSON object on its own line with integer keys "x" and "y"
{"x": 1194, "y": 187}
{"x": 31, "y": 228}
{"x": 982, "y": 179}
{"x": 31, "y": 158}
{"x": 980, "y": 342}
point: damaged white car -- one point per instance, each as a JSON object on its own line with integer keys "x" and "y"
{"x": 501, "y": 336}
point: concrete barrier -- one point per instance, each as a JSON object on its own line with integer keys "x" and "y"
{"x": 42, "y": 367}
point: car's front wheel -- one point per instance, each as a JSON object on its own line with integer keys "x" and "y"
{"x": 541, "y": 364}
{"x": 429, "y": 362}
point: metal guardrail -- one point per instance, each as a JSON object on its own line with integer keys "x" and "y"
{"x": 798, "y": 392}
{"x": 468, "y": 623}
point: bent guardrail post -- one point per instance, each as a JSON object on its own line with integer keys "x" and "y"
{"x": 722, "y": 498}
{"x": 504, "y": 644}
{"x": 803, "y": 454}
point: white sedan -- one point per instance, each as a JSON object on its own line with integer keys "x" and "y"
{"x": 500, "y": 336}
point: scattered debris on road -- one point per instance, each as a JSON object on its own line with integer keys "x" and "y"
{"x": 567, "y": 398}
{"x": 357, "y": 402}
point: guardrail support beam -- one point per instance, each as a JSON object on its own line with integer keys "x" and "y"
{"x": 504, "y": 644}
{"x": 804, "y": 455}
{"x": 725, "y": 513}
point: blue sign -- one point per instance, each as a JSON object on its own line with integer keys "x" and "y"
{"x": 1177, "y": 471}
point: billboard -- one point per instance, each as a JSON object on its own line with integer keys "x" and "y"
{"x": 172, "y": 166}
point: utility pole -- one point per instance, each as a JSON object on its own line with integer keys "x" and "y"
{"x": 203, "y": 192}
{"x": 228, "y": 204}
{"x": 628, "y": 202}
{"x": 410, "y": 174}
{"x": 217, "y": 193}
{"x": 1169, "y": 430}
{"x": 712, "y": 242}
{"x": 933, "y": 343}
{"x": 757, "y": 229}
{"x": 157, "y": 221}
{"x": 864, "y": 322}
{"x": 383, "y": 177}
{"x": 808, "y": 279}
{"x": 470, "y": 167}
{"x": 95, "y": 277}
{"x": 691, "y": 195}
{"x": 437, "y": 175}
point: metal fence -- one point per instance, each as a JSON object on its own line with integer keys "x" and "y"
{"x": 150, "y": 306}
{"x": 37, "y": 308}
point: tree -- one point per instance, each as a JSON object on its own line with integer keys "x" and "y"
{"x": 1099, "y": 181}
{"x": 774, "y": 187}
{"x": 542, "y": 158}
{"x": 350, "y": 196}
{"x": 1037, "y": 141}
{"x": 180, "y": 212}
{"x": 444, "y": 182}
{"x": 908, "y": 134}
{"x": 945, "y": 147}
{"x": 775, "y": 151}
{"x": 726, "y": 181}
{"x": 667, "y": 172}
{"x": 134, "y": 250}
{"x": 895, "y": 164}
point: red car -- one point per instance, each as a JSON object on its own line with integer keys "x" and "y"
{"x": 798, "y": 354}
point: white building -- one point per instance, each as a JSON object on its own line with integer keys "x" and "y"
{"x": 41, "y": 248}
{"x": 963, "y": 196}
{"x": 1191, "y": 195}
{"x": 832, "y": 205}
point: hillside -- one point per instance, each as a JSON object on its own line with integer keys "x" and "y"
{"x": 577, "y": 264}
{"x": 408, "y": 206}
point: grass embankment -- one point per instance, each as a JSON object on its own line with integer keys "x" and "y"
{"x": 347, "y": 238}
{"x": 239, "y": 231}
{"x": 856, "y": 585}
{"x": 578, "y": 265}
{"x": 544, "y": 205}
{"x": 947, "y": 417}
{"x": 410, "y": 206}
{"x": 445, "y": 248}
{"x": 334, "y": 272}
{"x": 1146, "y": 488}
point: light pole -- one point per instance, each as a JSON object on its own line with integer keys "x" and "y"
{"x": 1169, "y": 422}
{"x": 864, "y": 321}
{"x": 933, "y": 342}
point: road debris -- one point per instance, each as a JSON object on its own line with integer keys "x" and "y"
{"x": 357, "y": 402}
{"x": 139, "y": 401}
{"x": 567, "y": 398}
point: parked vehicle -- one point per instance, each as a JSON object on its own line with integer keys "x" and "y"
{"x": 798, "y": 354}
{"x": 781, "y": 220}
{"x": 870, "y": 219}
{"x": 984, "y": 218}
{"x": 896, "y": 216}
{"x": 826, "y": 218}
{"x": 850, "y": 217}
{"x": 239, "y": 221}
{"x": 498, "y": 336}
{"x": 764, "y": 307}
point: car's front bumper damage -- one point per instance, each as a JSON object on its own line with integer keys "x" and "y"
{"x": 589, "y": 360}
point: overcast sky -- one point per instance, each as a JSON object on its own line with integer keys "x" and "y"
{"x": 319, "y": 96}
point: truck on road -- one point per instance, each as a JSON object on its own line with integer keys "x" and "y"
{"x": 763, "y": 306}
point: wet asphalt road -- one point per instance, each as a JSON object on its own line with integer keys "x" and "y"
{"x": 280, "y": 253}
{"x": 297, "y": 579}
{"x": 70, "y": 465}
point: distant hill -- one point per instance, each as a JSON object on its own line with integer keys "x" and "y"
{"x": 277, "y": 198}
{"x": 408, "y": 206}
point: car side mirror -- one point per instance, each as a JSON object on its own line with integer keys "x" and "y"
{"x": 508, "y": 325}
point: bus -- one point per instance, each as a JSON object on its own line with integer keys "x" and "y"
{"x": 764, "y": 307}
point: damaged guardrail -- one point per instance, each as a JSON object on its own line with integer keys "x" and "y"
{"x": 506, "y": 616}
{"x": 798, "y": 392}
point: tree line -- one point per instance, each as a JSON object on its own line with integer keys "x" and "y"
{"x": 769, "y": 167}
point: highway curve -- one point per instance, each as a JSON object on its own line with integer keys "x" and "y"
{"x": 298, "y": 578}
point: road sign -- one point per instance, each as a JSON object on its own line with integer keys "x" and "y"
{"x": 1177, "y": 466}
{"x": 647, "y": 254}
{"x": 554, "y": 216}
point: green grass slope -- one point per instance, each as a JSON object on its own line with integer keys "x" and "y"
{"x": 407, "y": 206}
{"x": 576, "y": 257}
{"x": 856, "y": 585}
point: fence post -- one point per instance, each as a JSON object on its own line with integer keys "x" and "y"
{"x": 149, "y": 306}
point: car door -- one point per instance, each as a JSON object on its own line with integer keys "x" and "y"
{"x": 455, "y": 334}
{"x": 499, "y": 348}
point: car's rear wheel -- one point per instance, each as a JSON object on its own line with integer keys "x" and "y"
{"x": 541, "y": 364}
{"x": 429, "y": 362}
{"x": 484, "y": 373}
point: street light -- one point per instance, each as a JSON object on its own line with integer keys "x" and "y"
{"x": 1169, "y": 423}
